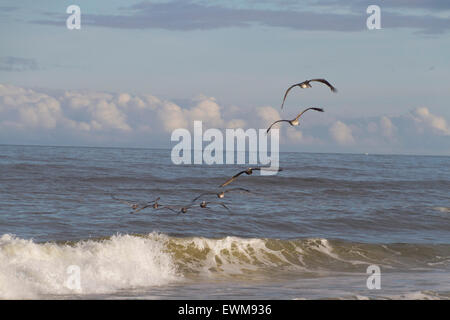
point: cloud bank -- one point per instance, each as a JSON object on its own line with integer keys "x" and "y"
{"x": 30, "y": 116}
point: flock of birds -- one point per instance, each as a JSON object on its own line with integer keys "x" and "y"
{"x": 138, "y": 206}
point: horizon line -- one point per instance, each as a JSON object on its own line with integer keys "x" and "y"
{"x": 246, "y": 151}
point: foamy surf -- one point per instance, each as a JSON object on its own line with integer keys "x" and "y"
{"x": 132, "y": 263}
{"x": 32, "y": 270}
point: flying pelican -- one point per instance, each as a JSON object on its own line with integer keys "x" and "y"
{"x": 305, "y": 84}
{"x": 154, "y": 204}
{"x": 294, "y": 122}
{"x": 181, "y": 210}
{"x": 131, "y": 204}
{"x": 222, "y": 193}
{"x": 248, "y": 171}
{"x": 204, "y": 204}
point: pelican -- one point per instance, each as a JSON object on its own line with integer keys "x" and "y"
{"x": 204, "y": 204}
{"x": 181, "y": 210}
{"x": 131, "y": 204}
{"x": 248, "y": 171}
{"x": 305, "y": 84}
{"x": 221, "y": 194}
{"x": 154, "y": 204}
{"x": 294, "y": 122}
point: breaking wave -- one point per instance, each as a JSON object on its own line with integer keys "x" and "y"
{"x": 128, "y": 262}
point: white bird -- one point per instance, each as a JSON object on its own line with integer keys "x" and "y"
{"x": 295, "y": 121}
{"x": 248, "y": 172}
{"x": 204, "y": 204}
{"x": 306, "y": 84}
{"x": 221, "y": 194}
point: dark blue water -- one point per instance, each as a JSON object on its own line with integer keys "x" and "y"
{"x": 60, "y": 193}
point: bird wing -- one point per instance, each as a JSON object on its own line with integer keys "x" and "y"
{"x": 300, "y": 114}
{"x": 325, "y": 82}
{"x": 169, "y": 207}
{"x": 274, "y": 123}
{"x": 232, "y": 178}
{"x": 129, "y": 203}
{"x": 202, "y": 194}
{"x": 141, "y": 208}
{"x": 287, "y": 91}
{"x": 237, "y": 189}
{"x": 219, "y": 203}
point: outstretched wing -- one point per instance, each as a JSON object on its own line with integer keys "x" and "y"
{"x": 201, "y": 195}
{"x": 287, "y": 91}
{"x": 220, "y": 203}
{"x": 237, "y": 190}
{"x": 170, "y": 208}
{"x": 231, "y": 179}
{"x": 275, "y": 123}
{"x": 129, "y": 203}
{"x": 141, "y": 208}
{"x": 316, "y": 109}
{"x": 326, "y": 83}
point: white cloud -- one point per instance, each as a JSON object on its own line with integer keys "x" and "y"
{"x": 341, "y": 133}
{"x": 84, "y": 117}
{"x": 172, "y": 117}
{"x": 236, "y": 123}
{"x": 206, "y": 110}
{"x": 426, "y": 120}
{"x": 123, "y": 99}
{"x": 267, "y": 115}
{"x": 387, "y": 127}
{"x": 29, "y": 108}
{"x": 108, "y": 115}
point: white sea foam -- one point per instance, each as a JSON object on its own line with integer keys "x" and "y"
{"x": 31, "y": 270}
{"x": 124, "y": 263}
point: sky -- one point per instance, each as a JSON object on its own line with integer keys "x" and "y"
{"x": 137, "y": 70}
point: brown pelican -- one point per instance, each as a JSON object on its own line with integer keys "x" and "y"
{"x": 181, "y": 210}
{"x": 248, "y": 171}
{"x": 305, "y": 84}
{"x": 294, "y": 122}
{"x": 133, "y": 205}
{"x": 154, "y": 204}
{"x": 222, "y": 193}
{"x": 204, "y": 204}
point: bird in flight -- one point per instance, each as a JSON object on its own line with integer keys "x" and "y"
{"x": 154, "y": 204}
{"x": 204, "y": 204}
{"x": 177, "y": 211}
{"x": 306, "y": 84}
{"x": 221, "y": 194}
{"x": 136, "y": 206}
{"x": 132, "y": 204}
{"x": 248, "y": 171}
{"x": 295, "y": 121}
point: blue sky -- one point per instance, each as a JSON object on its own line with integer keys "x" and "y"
{"x": 138, "y": 69}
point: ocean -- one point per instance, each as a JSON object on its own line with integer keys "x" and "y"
{"x": 310, "y": 232}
